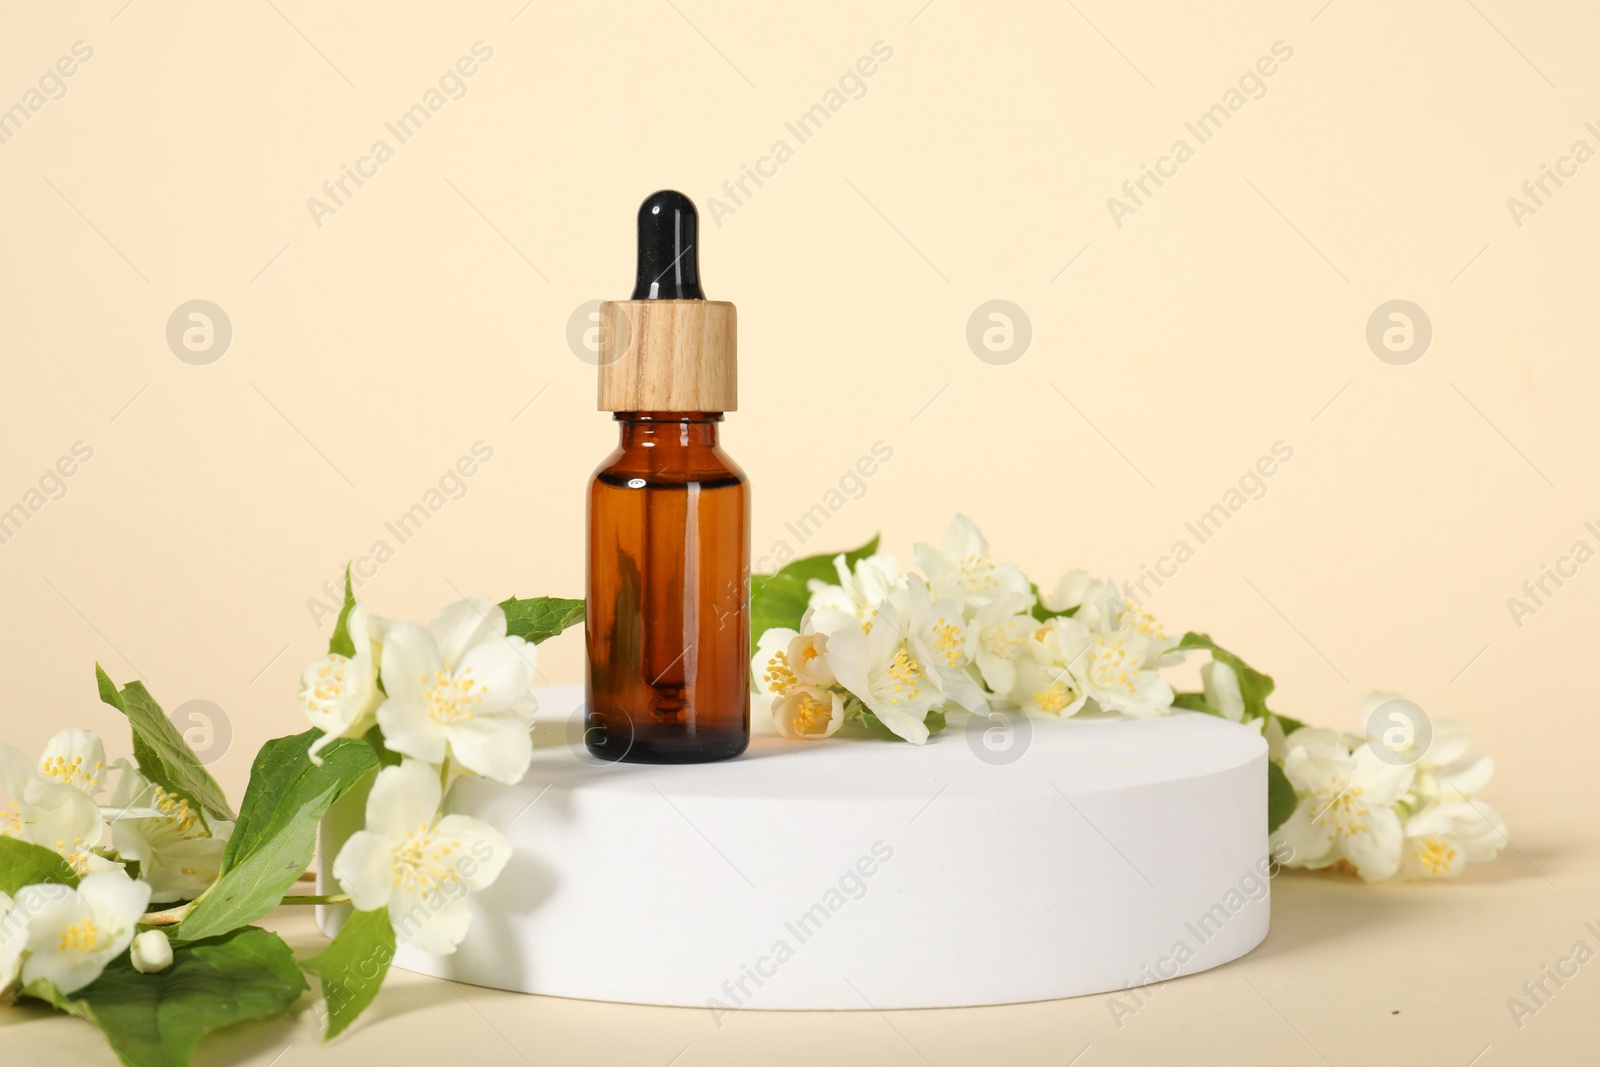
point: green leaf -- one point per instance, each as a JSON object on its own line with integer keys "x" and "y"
{"x": 1254, "y": 686}
{"x": 780, "y": 600}
{"x": 540, "y": 617}
{"x": 1195, "y": 702}
{"x": 155, "y": 1020}
{"x": 163, "y": 755}
{"x": 23, "y": 864}
{"x": 340, "y": 644}
{"x": 1289, "y": 725}
{"x": 386, "y": 757}
{"x": 353, "y": 966}
{"x": 776, "y": 602}
{"x": 276, "y": 834}
{"x": 1281, "y": 799}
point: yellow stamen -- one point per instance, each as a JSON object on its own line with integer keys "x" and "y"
{"x": 813, "y": 716}
{"x": 906, "y": 675}
{"x": 81, "y": 936}
{"x": 451, "y": 698}
{"x": 1436, "y": 855}
{"x": 779, "y": 676}
{"x": 1054, "y": 698}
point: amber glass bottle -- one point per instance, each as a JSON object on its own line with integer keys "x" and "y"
{"x": 669, "y": 638}
{"x": 668, "y": 629}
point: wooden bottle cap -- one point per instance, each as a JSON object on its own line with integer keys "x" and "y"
{"x": 668, "y": 355}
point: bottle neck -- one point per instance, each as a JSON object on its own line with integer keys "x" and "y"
{"x": 668, "y": 429}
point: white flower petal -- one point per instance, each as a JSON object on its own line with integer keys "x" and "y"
{"x": 411, "y": 659}
{"x": 1381, "y": 782}
{"x": 433, "y": 922}
{"x": 829, "y": 621}
{"x": 13, "y": 937}
{"x": 15, "y": 772}
{"x": 60, "y": 817}
{"x": 1451, "y": 740}
{"x": 496, "y": 746}
{"x": 525, "y": 707}
{"x": 502, "y": 670}
{"x": 403, "y": 798}
{"x": 1376, "y": 851}
{"x": 808, "y": 714}
{"x": 958, "y": 687}
{"x": 999, "y": 673}
{"x": 770, "y": 665}
{"x": 1308, "y": 841}
{"x": 364, "y": 869}
{"x": 1011, "y": 581}
{"x": 1464, "y": 777}
{"x": 115, "y": 899}
{"x": 132, "y": 792}
{"x": 903, "y": 724}
{"x": 488, "y": 848}
{"x": 356, "y": 625}
{"x": 808, "y": 658}
{"x": 76, "y": 758}
{"x": 1316, "y": 768}
{"x": 1221, "y": 685}
{"x": 848, "y": 655}
{"x": 1277, "y": 740}
{"x": 962, "y": 539}
{"x": 1374, "y": 700}
{"x": 466, "y": 624}
{"x": 409, "y": 730}
{"x": 182, "y": 870}
{"x": 827, "y": 597}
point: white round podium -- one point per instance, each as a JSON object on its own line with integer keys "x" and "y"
{"x": 997, "y": 864}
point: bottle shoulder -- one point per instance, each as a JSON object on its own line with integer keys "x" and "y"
{"x": 625, "y": 470}
{"x": 730, "y": 465}
{"x": 621, "y": 477}
{"x": 669, "y": 454}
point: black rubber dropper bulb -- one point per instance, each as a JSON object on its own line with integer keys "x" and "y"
{"x": 669, "y": 230}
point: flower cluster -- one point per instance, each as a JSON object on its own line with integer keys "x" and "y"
{"x": 100, "y": 861}
{"x": 884, "y": 646}
{"x": 448, "y": 699}
{"x": 67, "y": 934}
{"x": 964, "y": 633}
{"x": 1383, "y": 810}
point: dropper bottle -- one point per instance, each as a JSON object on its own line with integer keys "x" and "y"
{"x": 667, "y": 628}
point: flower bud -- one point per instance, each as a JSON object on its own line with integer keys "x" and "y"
{"x": 151, "y": 952}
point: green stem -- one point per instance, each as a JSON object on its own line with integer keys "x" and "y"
{"x": 173, "y": 916}
{"x": 318, "y": 898}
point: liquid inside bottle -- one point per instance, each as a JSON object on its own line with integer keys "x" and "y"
{"x": 668, "y": 630}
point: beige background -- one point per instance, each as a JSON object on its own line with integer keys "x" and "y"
{"x": 431, "y": 310}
